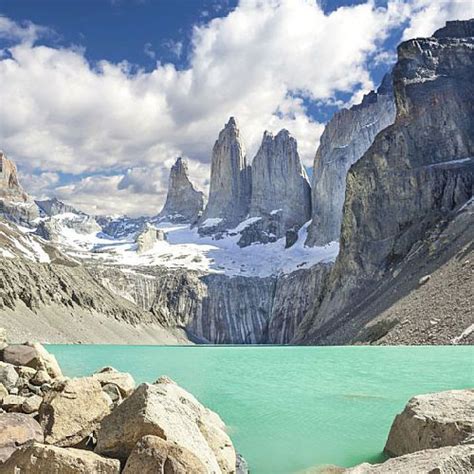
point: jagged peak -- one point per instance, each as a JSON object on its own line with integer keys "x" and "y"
{"x": 180, "y": 166}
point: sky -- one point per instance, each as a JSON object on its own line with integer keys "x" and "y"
{"x": 99, "y": 97}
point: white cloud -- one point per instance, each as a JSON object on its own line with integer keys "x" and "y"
{"x": 258, "y": 63}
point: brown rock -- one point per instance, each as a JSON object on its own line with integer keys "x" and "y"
{"x": 153, "y": 454}
{"x": 12, "y": 402}
{"x": 3, "y": 392}
{"x": 123, "y": 380}
{"x": 17, "y": 429}
{"x": 43, "y": 459}
{"x": 169, "y": 412}
{"x": 72, "y": 411}
{"x": 432, "y": 421}
{"x": 31, "y": 404}
{"x": 20, "y": 354}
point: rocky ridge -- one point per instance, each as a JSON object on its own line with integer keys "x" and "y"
{"x": 345, "y": 139}
{"x": 418, "y": 173}
{"x": 183, "y": 202}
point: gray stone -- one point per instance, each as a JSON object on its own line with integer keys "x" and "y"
{"x": 183, "y": 202}
{"x": 13, "y": 403}
{"x": 432, "y": 421}
{"x": 8, "y": 375}
{"x": 230, "y": 185}
{"x": 148, "y": 238}
{"x": 122, "y": 380}
{"x": 31, "y": 404}
{"x": 20, "y": 354}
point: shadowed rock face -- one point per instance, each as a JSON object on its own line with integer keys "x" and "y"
{"x": 345, "y": 139}
{"x": 230, "y": 186}
{"x": 53, "y": 207}
{"x": 279, "y": 181}
{"x": 417, "y": 172}
{"x": 15, "y": 204}
{"x": 183, "y": 202}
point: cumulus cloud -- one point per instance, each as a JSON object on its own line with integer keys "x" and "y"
{"x": 118, "y": 128}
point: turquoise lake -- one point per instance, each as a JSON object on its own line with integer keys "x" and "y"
{"x": 292, "y": 408}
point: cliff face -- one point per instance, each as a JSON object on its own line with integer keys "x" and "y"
{"x": 183, "y": 202}
{"x": 230, "y": 185}
{"x": 279, "y": 181}
{"x": 417, "y": 173}
{"x": 15, "y": 204}
{"x": 345, "y": 139}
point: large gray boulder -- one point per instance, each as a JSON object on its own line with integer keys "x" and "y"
{"x": 8, "y": 375}
{"x": 346, "y": 137}
{"x": 447, "y": 460}
{"x": 17, "y": 429}
{"x": 183, "y": 202}
{"x": 230, "y": 185}
{"x": 279, "y": 182}
{"x": 431, "y": 421}
{"x": 40, "y": 458}
{"x": 72, "y": 411}
{"x": 154, "y": 454}
{"x": 166, "y": 410}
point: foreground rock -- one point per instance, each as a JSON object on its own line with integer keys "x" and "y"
{"x": 447, "y": 460}
{"x": 41, "y": 459}
{"x": 183, "y": 202}
{"x": 154, "y": 454}
{"x": 166, "y": 410}
{"x": 431, "y": 421}
{"x": 72, "y": 411}
{"x": 17, "y": 429}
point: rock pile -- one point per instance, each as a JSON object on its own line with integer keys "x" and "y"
{"x": 102, "y": 423}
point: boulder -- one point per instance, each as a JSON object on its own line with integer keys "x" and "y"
{"x": 17, "y": 429}
{"x": 432, "y": 421}
{"x": 3, "y": 335}
{"x": 12, "y": 402}
{"x": 40, "y": 459}
{"x": 48, "y": 361}
{"x": 8, "y": 375}
{"x": 31, "y": 404}
{"x": 123, "y": 380}
{"x": 166, "y": 410}
{"x": 154, "y": 454}
{"x": 20, "y": 354}
{"x": 72, "y": 410}
{"x": 447, "y": 460}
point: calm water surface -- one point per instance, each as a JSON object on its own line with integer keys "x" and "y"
{"x": 292, "y": 408}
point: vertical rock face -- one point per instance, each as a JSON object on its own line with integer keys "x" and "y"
{"x": 53, "y": 207}
{"x": 229, "y": 193}
{"x": 345, "y": 139}
{"x": 279, "y": 181}
{"x": 15, "y": 204}
{"x": 416, "y": 173}
{"x": 183, "y": 202}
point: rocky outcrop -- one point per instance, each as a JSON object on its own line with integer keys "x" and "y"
{"x": 15, "y": 204}
{"x": 154, "y": 454}
{"x": 432, "y": 421}
{"x": 148, "y": 238}
{"x": 347, "y": 136}
{"x": 166, "y": 410}
{"x": 449, "y": 460}
{"x": 183, "y": 202}
{"x": 54, "y": 227}
{"x": 17, "y": 429}
{"x": 279, "y": 182}
{"x": 40, "y": 458}
{"x": 418, "y": 172}
{"x": 53, "y": 207}
{"x": 230, "y": 185}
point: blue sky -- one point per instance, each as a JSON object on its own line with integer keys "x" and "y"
{"x": 104, "y": 94}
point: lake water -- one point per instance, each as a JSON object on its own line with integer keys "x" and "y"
{"x": 292, "y": 408}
